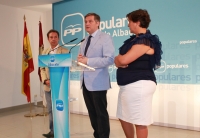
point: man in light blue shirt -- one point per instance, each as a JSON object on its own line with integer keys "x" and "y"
{"x": 96, "y": 51}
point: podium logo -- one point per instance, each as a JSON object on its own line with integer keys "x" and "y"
{"x": 52, "y": 58}
{"x": 72, "y": 26}
{"x": 59, "y": 105}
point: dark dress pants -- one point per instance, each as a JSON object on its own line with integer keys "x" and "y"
{"x": 49, "y": 108}
{"x": 96, "y": 103}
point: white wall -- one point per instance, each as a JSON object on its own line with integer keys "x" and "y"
{"x": 11, "y": 38}
{"x": 174, "y": 105}
{"x": 47, "y": 26}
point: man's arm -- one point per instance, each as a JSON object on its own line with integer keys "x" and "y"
{"x": 108, "y": 55}
{"x": 44, "y": 78}
{"x": 43, "y": 69}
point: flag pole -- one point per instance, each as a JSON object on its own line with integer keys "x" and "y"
{"x": 43, "y": 113}
{"x": 30, "y": 114}
{"x": 41, "y": 48}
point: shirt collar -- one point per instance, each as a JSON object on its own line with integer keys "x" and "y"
{"x": 55, "y": 47}
{"x": 94, "y": 34}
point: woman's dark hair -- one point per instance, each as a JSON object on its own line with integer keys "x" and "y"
{"x": 140, "y": 15}
{"x": 52, "y": 31}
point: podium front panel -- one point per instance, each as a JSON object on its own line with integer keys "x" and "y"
{"x": 60, "y": 104}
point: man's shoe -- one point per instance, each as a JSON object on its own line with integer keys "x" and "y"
{"x": 49, "y": 135}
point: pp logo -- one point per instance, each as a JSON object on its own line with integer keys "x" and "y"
{"x": 52, "y": 58}
{"x": 72, "y": 26}
{"x": 59, "y": 105}
{"x": 162, "y": 68}
{"x": 72, "y": 29}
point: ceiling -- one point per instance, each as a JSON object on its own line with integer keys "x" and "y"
{"x": 36, "y": 5}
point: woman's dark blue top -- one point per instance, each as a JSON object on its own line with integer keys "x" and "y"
{"x": 142, "y": 68}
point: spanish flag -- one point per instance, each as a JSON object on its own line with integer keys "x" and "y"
{"x": 27, "y": 64}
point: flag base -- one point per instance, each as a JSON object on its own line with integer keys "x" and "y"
{"x": 30, "y": 115}
{"x": 44, "y": 113}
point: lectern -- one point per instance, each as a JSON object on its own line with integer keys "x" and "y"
{"x": 59, "y": 69}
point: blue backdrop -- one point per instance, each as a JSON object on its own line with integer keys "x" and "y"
{"x": 177, "y": 24}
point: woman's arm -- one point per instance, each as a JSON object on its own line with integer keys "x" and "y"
{"x": 134, "y": 53}
{"x": 150, "y": 51}
{"x": 116, "y": 61}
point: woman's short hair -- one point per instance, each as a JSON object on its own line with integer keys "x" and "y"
{"x": 140, "y": 15}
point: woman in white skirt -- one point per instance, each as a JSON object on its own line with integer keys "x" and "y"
{"x": 138, "y": 57}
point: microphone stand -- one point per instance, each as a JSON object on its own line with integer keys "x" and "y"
{"x": 74, "y": 99}
{"x": 75, "y": 45}
{"x": 62, "y": 45}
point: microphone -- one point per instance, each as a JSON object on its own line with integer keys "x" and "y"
{"x": 76, "y": 45}
{"x": 63, "y": 45}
